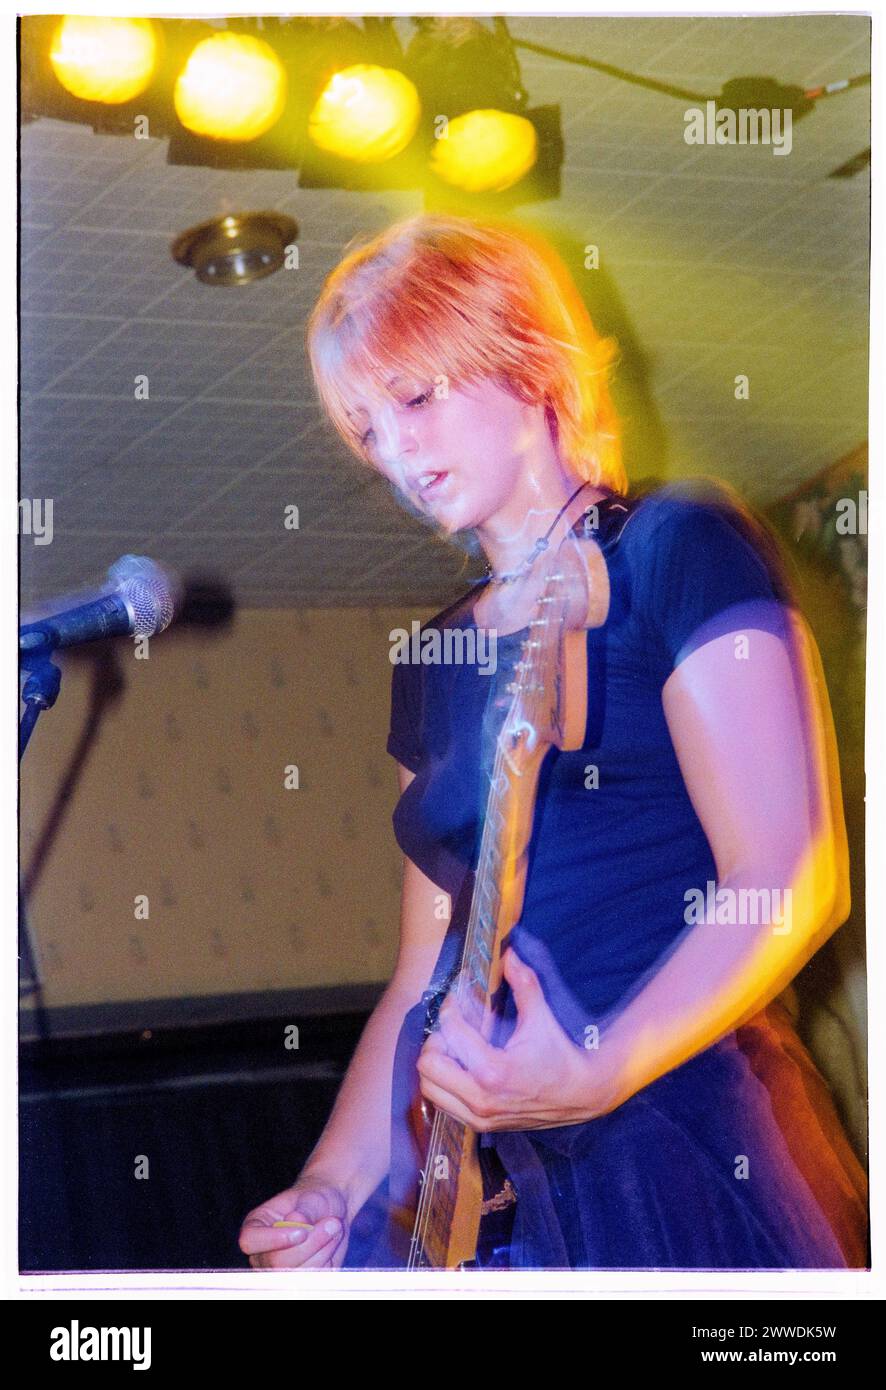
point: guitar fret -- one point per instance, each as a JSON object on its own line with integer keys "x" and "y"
{"x": 443, "y": 1201}
{"x": 450, "y": 1151}
{"x": 452, "y": 1140}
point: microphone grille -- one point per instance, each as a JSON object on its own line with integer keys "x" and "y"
{"x": 151, "y": 591}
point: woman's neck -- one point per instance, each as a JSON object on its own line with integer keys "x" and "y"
{"x": 509, "y": 537}
{"x": 509, "y": 606}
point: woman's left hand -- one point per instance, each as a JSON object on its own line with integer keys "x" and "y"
{"x": 539, "y": 1079}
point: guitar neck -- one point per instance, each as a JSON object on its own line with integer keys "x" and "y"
{"x": 500, "y": 881}
{"x": 449, "y": 1206}
{"x": 549, "y": 708}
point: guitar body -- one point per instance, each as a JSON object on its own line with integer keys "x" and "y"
{"x": 411, "y": 1132}
{"x": 438, "y": 1179}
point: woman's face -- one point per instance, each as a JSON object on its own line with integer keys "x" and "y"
{"x": 457, "y": 453}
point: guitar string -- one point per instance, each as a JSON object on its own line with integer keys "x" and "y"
{"x": 425, "y": 1212}
{"x": 425, "y": 1208}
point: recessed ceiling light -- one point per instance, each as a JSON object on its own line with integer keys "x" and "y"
{"x": 236, "y": 249}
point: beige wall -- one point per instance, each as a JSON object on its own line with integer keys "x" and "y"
{"x": 181, "y": 797}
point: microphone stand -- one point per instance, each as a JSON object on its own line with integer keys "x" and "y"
{"x": 40, "y": 692}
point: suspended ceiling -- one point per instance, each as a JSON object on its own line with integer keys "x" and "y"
{"x": 715, "y": 261}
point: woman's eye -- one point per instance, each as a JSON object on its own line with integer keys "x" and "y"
{"x": 364, "y": 439}
{"x": 420, "y": 400}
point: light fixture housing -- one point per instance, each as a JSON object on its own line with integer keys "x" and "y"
{"x": 494, "y": 150}
{"x": 455, "y": 66}
{"x": 102, "y": 59}
{"x": 237, "y": 248}
{"x": 365, "y": 113}
{"x": 232, "y": 87}
{"x": 485, "y": 151}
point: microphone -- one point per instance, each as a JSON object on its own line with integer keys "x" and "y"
{"x": 142, "y": 599}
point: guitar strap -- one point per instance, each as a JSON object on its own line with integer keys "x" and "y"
{"x": 605, "y": 520}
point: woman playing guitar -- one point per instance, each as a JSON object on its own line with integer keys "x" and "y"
{"x": 643, "y": 1100}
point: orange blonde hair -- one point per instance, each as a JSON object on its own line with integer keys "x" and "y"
{"x": 451, "y": 297}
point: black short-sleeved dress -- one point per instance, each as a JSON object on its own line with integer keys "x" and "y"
{"x": 735, "y": 1159}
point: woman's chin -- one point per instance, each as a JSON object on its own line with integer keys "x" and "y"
{"x": 452, "y": 514}
{"x": 447, "y": 519}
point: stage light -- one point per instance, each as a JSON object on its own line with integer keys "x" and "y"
{"x": 485, "y": 151}
{"x": 108, "y": 60}
{"x": 466, "y": 70}
{"x": 365, "y": 113}
{"x": 345, "y": 104}
{"x": 233, "y": 87}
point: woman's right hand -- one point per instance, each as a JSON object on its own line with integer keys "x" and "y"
{"x": 321, "y": 1205}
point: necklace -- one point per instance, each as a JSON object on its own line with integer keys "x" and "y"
{"x": 540, "y": 545}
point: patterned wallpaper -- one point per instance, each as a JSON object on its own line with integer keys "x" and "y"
{"x": 177, "y": 862}
{"x": 165, "y": 858}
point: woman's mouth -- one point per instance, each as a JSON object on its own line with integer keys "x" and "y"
{"x": 430, "y": 482}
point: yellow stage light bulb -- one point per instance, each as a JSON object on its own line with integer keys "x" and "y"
{"x": 232, "y": 87}
{"x": 485, "y": 151}
{"x": 109, "y": 60}
{"x": 365, "y": 113}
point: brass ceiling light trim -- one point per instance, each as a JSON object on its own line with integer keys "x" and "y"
{"x": 237, "y": 248}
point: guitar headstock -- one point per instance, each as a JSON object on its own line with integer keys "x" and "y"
{"x": 549, "y": 689}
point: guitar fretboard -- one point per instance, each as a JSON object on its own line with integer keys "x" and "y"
{"x": 478, "y": 980}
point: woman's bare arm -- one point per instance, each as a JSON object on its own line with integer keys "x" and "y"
{"x": 353, "y": 1152}
{"x": 754, "y": 737}
{"x": 751, "y": 726}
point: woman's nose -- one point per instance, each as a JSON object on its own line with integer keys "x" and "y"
{"x": 395, "y": 436}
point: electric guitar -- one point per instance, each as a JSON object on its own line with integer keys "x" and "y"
{"x": 436, "y": 1184}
